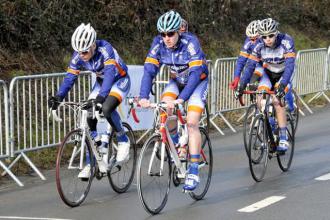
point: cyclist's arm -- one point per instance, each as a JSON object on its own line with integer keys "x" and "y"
{"x": 242, "y": 59}
{"x": 289, "y": 61}
{"x": 151, "y": 68}
{"x": 252, "y": 62}
{"x": 196, "y": 63}
{"x": 109, "y": 70}
{"x": 71, "y": 76}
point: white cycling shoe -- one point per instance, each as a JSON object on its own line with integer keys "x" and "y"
{"x": 283, "y": 146}
{"x": 85, "y": 173}
{"x": 123, "y": 152}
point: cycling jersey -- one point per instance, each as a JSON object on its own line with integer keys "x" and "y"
{"x": 186, "y": 62}
{"x": 105, "y": 63}
{"x": 278, "y": 60}
{"x": 244, "y": 54}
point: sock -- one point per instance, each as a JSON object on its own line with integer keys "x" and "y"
{"x": 121, "y": 136}
{"x": 289, "y": 99}
{"x": 283, "y": 135}
{"x": 194, "y": 159}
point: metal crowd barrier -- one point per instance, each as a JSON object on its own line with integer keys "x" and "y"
{"x": 4, "y": 130}
{"x": 31, "y": 128}
{"x": 311, "y": 74}
{"x": 328, "y": 69}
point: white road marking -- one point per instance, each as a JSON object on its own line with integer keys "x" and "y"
{"x": 31, "y": 218}
{"x": 261, "y": 204}
{"x": 324, "y": 177}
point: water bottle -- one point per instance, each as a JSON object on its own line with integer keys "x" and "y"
{"x": 183, "y": 140}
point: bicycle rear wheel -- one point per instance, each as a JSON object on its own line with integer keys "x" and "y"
{"x": 258, "y": 148}
{"x": 121, "y": 176}
{"x": 205, "y": 167}
{"x": 72, "y": 190}
{"x": 248, "y": 119}
{"x": 153, "y": 186}
{"x": 284, "y": 160}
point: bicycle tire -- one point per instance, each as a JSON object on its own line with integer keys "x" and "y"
{"x": 296, "y": 111}
{"x": 121, "y": 177}
{"x": 205, "y": 167}
{"x": 285, "y": 160}
{"x": 258, "y": 148}
{"x": 247, "y": 125}
{"x": 146, "y": 188}
{"x": 71, "y": 189}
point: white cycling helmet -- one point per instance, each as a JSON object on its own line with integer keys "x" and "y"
{"x": 267, "y": 26}
{"x": 169, "y": 22}
{"x": 252, "y": 29}
{"x": 83, "y": 38}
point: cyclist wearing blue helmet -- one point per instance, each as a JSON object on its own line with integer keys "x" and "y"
{"x": 188, "y": 81}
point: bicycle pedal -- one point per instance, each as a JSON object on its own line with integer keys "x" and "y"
{"x": 186, "y": 191}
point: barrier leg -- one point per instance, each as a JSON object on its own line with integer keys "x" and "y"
{"x": 7, "y": 170}
{"x": 33, "y": 166}
{"x": 326, "y": 97}
{"x": 304, "y": 103}
{"x": 316, "y": 96}
{"x": 11, "y": 165}
{"x": 215, "y": 125}
{"x": 143, "y": 135}
{"x": 227, "y": 122}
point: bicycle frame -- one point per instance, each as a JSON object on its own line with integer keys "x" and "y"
{"x": 82, "y": 115}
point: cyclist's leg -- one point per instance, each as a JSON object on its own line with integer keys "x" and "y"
{"x": 196, "y": 106}
{"x": 264, "y": 84}
{"x": 170, "y": 93}
{"x": 117, "y": 93}
{"x": 282, "y": 123}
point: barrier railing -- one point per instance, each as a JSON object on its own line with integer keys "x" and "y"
{"x": 311, "y": 74}
{"x": 4, "y": 130}
{"x": 328, "y": 69}
{"x": 31, "y": 128}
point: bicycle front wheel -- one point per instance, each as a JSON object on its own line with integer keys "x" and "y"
{"x": 153, "y": 180}
{"x": 258, "y": 148}
{"x": 248, "y": 119}
{"x": 121, "y": 176}
{"x": 72, "y": 189}
{"x": 204, "y": 168}
{"x": 284, "y": 160}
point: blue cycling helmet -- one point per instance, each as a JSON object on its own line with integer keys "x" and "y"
{"x": 169, "y": 22}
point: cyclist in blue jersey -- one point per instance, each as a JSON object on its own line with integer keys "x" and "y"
{"x": 111, "y": 86}
{"x": 249, "y": 43}
{"x": 188, "y": 81}
{"x": 277, "y": 53}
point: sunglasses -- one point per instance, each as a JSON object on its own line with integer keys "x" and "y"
{"x": 268, "y": 36}
{"x": 169, "y": 34}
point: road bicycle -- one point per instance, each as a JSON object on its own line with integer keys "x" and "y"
{"x": 264, "y": 137}
{"x": 71, "y": 157}
{"x": 159, "y": 163}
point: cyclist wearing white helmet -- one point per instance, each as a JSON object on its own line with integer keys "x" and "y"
{"x": 188, "y": 81}
{"x": 249, "y": 43}
{"x": 111, "y": 86}
{"x": 277, "y": 53}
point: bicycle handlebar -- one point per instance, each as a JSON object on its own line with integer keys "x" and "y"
{"x": 134, "y": 104}
{"x": 240, "y": 98}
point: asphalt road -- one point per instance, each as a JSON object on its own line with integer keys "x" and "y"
{"x": 233, "y": 193}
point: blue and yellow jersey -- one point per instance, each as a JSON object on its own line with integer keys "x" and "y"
{"x": 105, "y": 63}
{"x": 186, "y": 61}
{"x": 277, "y": 60}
